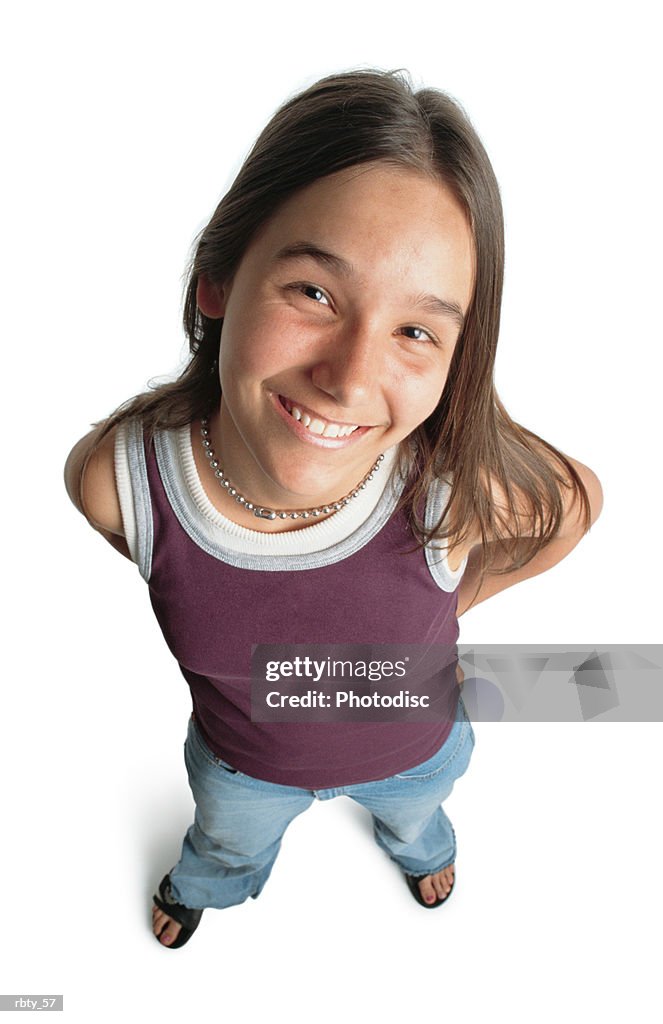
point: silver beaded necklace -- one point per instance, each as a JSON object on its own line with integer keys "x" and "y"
{"x": 269, "y": 513}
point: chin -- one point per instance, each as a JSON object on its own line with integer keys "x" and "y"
{"x": 297, "y": 493}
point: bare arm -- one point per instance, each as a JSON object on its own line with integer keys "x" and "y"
{"x": 92, "y": 487}
{"x": 570, "y": 534}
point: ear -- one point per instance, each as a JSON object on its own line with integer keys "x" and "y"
{"x": 210, "y": 298}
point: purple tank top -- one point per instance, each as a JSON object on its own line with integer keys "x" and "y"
{"x": 212, "y": 612}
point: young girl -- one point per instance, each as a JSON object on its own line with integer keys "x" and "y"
{"x": 332, "y": 466}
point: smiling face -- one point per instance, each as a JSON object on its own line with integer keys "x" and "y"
{"x": 339, "y": 328}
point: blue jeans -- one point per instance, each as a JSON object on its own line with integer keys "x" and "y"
{"x": 229, "y": 851}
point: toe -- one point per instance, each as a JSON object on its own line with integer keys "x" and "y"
{"x": 165, "y": 929}
{"x": 427, "y": 889}
{"x": 440, "y": 887}
{"x": 168, "y": 936}
{"x": 170, "y": 932}
{"x": 447, "y": 879}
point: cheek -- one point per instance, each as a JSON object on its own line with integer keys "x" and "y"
{"x": 419, "y": 393}
{"x": 260, "y": 345}
{"x": 242, "y": 355}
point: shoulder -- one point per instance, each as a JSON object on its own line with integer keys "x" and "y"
{"x": 572, "y": 509}
{"x": 90, "y": 481}
{"x": 573, "y": 519}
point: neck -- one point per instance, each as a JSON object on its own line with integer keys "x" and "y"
{"x": 223, "y": 489}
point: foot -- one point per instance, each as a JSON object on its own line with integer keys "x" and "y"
{"x": 164, "y": 927}
{"x": 437, "y": 887}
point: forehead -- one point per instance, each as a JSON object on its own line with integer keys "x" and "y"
{"x": 386, "y": 222}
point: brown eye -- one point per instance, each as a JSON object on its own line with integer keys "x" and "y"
{"x": 311, "y": 291}
{"x": 419, "y": 334}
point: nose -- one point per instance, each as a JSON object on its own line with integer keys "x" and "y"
{"x": 350, "y": 367}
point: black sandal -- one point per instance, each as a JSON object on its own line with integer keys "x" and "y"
{"x": 185, "y": 916}
{"x": 413, "y": 886}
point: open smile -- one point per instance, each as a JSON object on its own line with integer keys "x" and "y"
{"x": 310, "y": 425}
{"x": 315, "y": 423}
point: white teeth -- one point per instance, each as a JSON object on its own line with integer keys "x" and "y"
{"x": 317, "y": 426}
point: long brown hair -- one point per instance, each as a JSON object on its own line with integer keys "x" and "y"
{"x": 355, "y": 118}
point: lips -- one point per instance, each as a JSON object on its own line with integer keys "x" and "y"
{"x": 315, "y": 423}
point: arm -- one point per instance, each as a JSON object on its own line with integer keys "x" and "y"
{"x": 93, "y": 490}
{"x": 571, "y": 532}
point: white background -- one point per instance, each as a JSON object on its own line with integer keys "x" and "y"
{"x": 124, "y": 125}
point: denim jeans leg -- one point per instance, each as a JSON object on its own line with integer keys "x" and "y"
{"x": 408, "y": 822}
{"x": 229, "y": 851}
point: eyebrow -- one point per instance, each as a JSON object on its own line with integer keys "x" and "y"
{"x": 322, "y": 256}
{"x": 332, "y": 261}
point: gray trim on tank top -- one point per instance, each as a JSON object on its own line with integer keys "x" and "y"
{"x": 437, "y": 498}
{"x": 141, "y": 497}
{"x": 165, "y": 445}
{"x": 189, "y": 517}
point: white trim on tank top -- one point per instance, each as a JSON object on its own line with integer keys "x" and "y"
{"x": 346, "y": 531}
